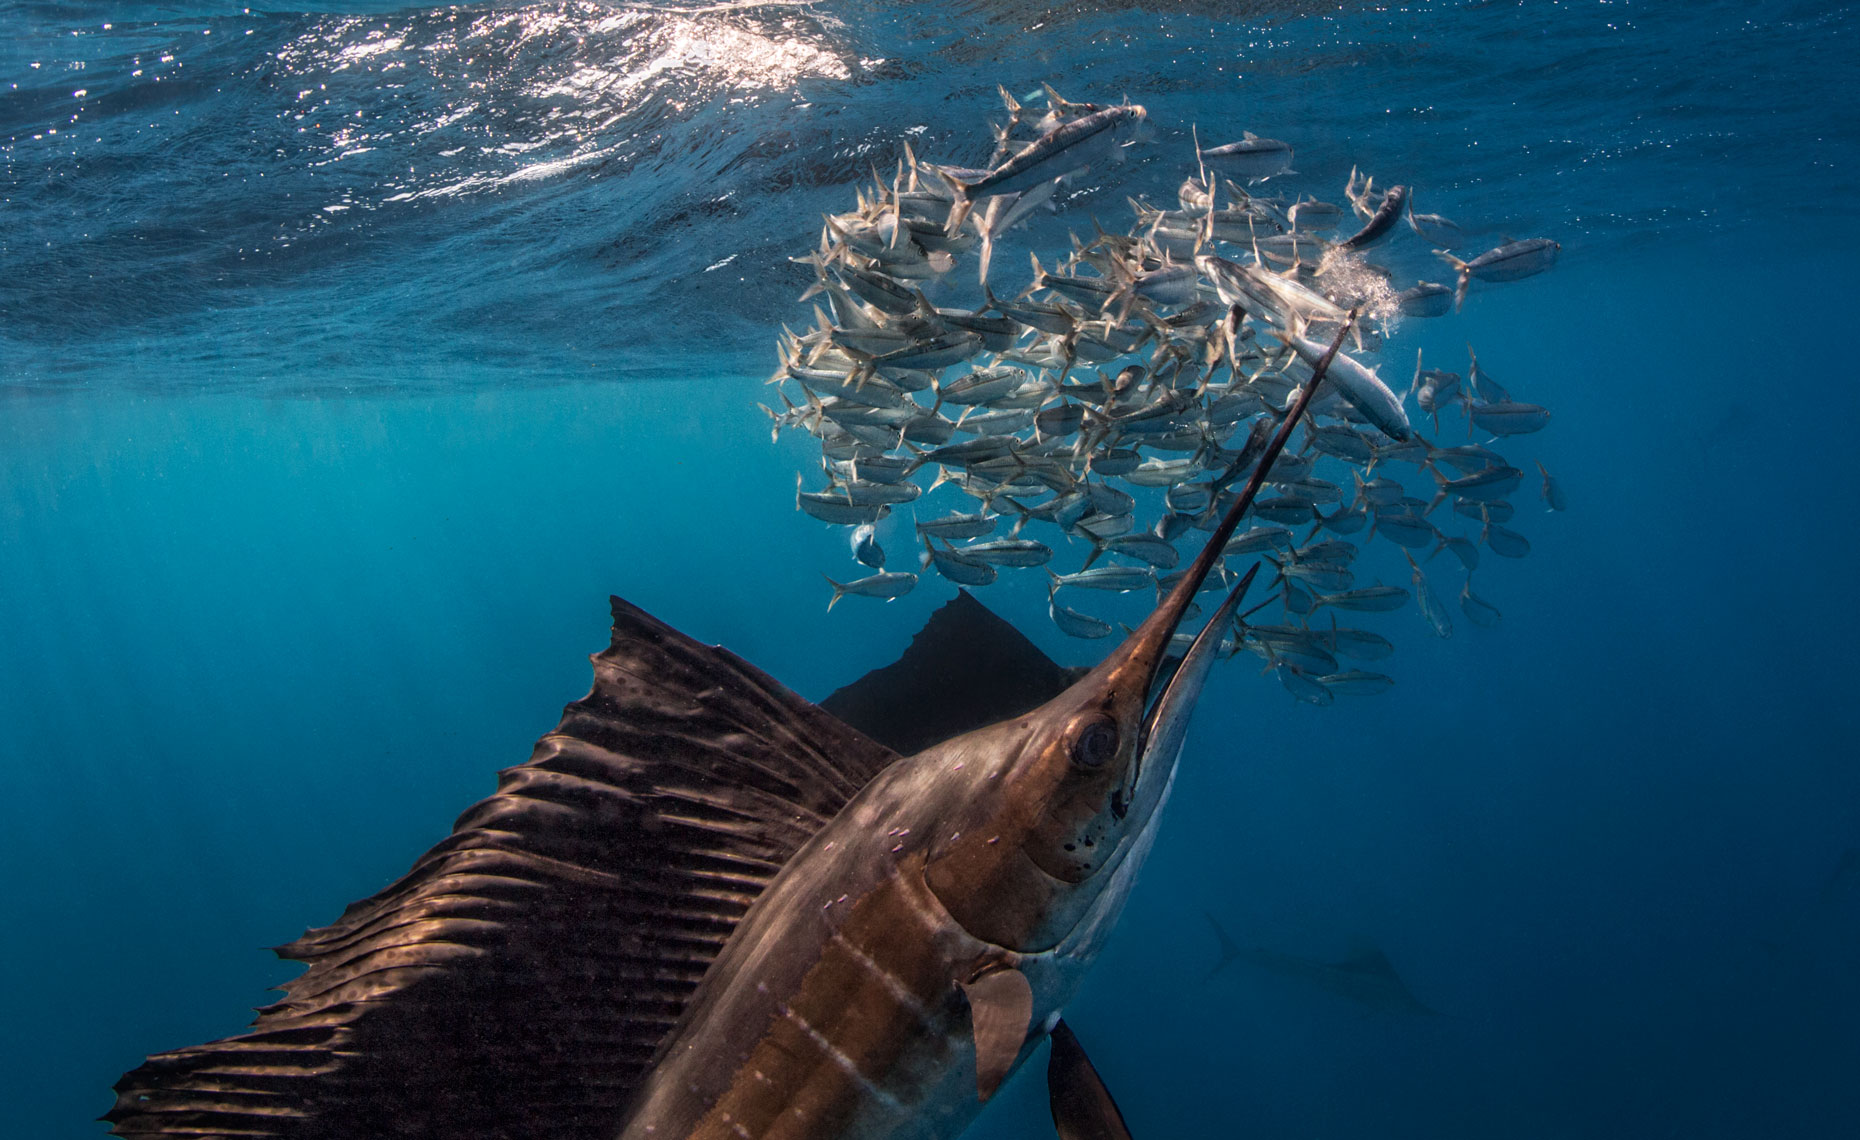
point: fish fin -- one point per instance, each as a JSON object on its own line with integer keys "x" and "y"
{"x": 1277, "y": 566}
{"x": 1225, "y": 945}
{"x": 1082, "y": 1106}
{"x": 1012, "y": 104}
{"x": 518, "y": 978}
{"x": 1000, "y": 1013}
{"x": 960, "y": 209}
{"x": 839, "y": 591}
{"x": 1465, "y": 272}
{"x": 966, "y": 668}
{"x": 1366, "y": 957}
{"x": 1201, "y": 166}
{"x": 910, "y": 160}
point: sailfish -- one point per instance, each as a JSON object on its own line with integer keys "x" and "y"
{"x": 708, "y": 909}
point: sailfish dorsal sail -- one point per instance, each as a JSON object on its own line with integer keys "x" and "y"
{"x": 517, "y": 980}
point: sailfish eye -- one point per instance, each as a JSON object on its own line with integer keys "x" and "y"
{"x": 1096, "y": 744}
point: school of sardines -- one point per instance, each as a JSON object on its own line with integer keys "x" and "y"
{"x": 1123, "y": 397}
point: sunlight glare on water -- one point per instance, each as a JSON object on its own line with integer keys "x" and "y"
{"x": 351, "y": 357}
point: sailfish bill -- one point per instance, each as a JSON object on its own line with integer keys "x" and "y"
{"x": 708, "y": 908}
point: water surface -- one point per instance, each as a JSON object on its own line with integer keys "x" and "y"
{"x": 349, "y": 359}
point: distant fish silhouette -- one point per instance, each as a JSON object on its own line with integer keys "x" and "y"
{"x": 1366, "y": 976}
{"x": 1844, "y": 879}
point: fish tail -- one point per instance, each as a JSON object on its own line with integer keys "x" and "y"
{"x": 1201, "y": 171}
{"x": 1278, "y": 567}
{"x": 1125, "y": 297}
{"x": 1007, "y": 100}
{"x": 781, "y": 369}
{"x": 960, "y": 209}
{"x": 1003, "y": 147}
{"x": 1465, "y": 272}
{"x": 839, "y": 591}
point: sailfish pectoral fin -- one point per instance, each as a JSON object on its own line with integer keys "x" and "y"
{"x": 1083, "y": 1108}
{"x": 1001, "y": 1009}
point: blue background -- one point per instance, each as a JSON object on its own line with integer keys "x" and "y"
{"x": 308, "y": 516}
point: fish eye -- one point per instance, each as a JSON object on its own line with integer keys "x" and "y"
{"x": 1096, "y": 744}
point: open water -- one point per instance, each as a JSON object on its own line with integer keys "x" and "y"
{"x": 350, "y": 358}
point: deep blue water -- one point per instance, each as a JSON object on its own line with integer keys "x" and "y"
{"x": 350, "y": 359}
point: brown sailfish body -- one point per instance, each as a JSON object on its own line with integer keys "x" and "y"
{"x": 706, "y": 907}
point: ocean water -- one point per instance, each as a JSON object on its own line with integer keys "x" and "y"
{"x": 350, "y": 358}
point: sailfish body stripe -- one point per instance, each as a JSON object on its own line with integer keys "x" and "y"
{"x": 853, "y": 1032}
{"x": 844, "y": 1063}
{"x": 905, "y": 997}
